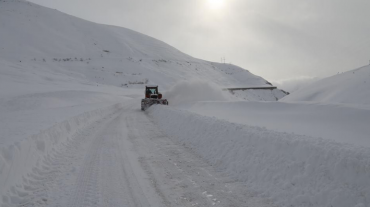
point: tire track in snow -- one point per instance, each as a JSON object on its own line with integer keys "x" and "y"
{"x": 159, "y": 157}
{"x": 117, "y": 186}
{"x": 124, "y": 160}
{"x": 180, "y": 175}
{"x": 50, "y": 174}
{"x": 106, "y": 178}
{"x": 86, "y": 191}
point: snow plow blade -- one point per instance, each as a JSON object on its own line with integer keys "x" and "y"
{"x": 152, "y": 96}
{"x": 146, "y": 103}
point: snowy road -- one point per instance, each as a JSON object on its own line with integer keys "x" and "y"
{"x": 125, "y": 160}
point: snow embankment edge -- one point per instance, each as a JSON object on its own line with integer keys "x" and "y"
{"x": 292, "y": 170}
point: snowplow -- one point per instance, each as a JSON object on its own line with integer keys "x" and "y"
{"x": 152, "y": 96}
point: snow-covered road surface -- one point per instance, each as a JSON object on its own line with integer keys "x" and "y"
{"x": 123, "y": 159}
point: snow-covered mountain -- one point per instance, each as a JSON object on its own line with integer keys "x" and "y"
{"x": 54, "y": 42}
{"x": 352, "y": 87}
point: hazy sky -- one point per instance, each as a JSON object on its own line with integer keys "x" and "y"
{"x": 276, "y": 39}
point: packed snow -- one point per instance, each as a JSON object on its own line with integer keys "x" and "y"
{"x": 73, "y": 134}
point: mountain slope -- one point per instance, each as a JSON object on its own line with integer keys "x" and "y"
{"x": 45, "y": 38}
{"x": 352, "y": 87}
{"x": 54, "y": 66}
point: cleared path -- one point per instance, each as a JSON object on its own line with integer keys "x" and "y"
{"x": 125, "y": 160}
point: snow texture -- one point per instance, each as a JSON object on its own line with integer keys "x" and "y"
{"x": 22, "y": 158}
{"x": 341, "y": 123}
{"x": 293, "y": 170}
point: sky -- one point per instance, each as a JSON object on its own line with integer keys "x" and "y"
{"x": 277, "y": 39}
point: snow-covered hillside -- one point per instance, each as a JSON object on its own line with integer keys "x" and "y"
{"x": 73, "y": 134}
{"x": 54, "y": 66}
{"x": 60, "y": 74}
{"x": 52, "y": 42}
{"x": 352, "y": 87}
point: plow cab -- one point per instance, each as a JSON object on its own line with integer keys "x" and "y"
{"x": 152, "y": 96}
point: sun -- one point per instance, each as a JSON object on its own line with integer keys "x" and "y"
{"x": 215, "y": 4}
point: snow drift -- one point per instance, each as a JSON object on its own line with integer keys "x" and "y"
{"x": 291, "y": 169}
{"x": 338, "y": 123}
{"x": 352, "y": 87}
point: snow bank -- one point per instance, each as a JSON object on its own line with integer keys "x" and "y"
{"x": 185, "y": 92}
{"x": 291, "y": 169}
{"x": 19, "y": 159}
{"x": 340, "y": 123}
{"x": 352, "y": 87}
{"x": 193, "y": 91}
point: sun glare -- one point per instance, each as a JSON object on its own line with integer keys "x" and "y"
{"x": 215, "y": 4}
